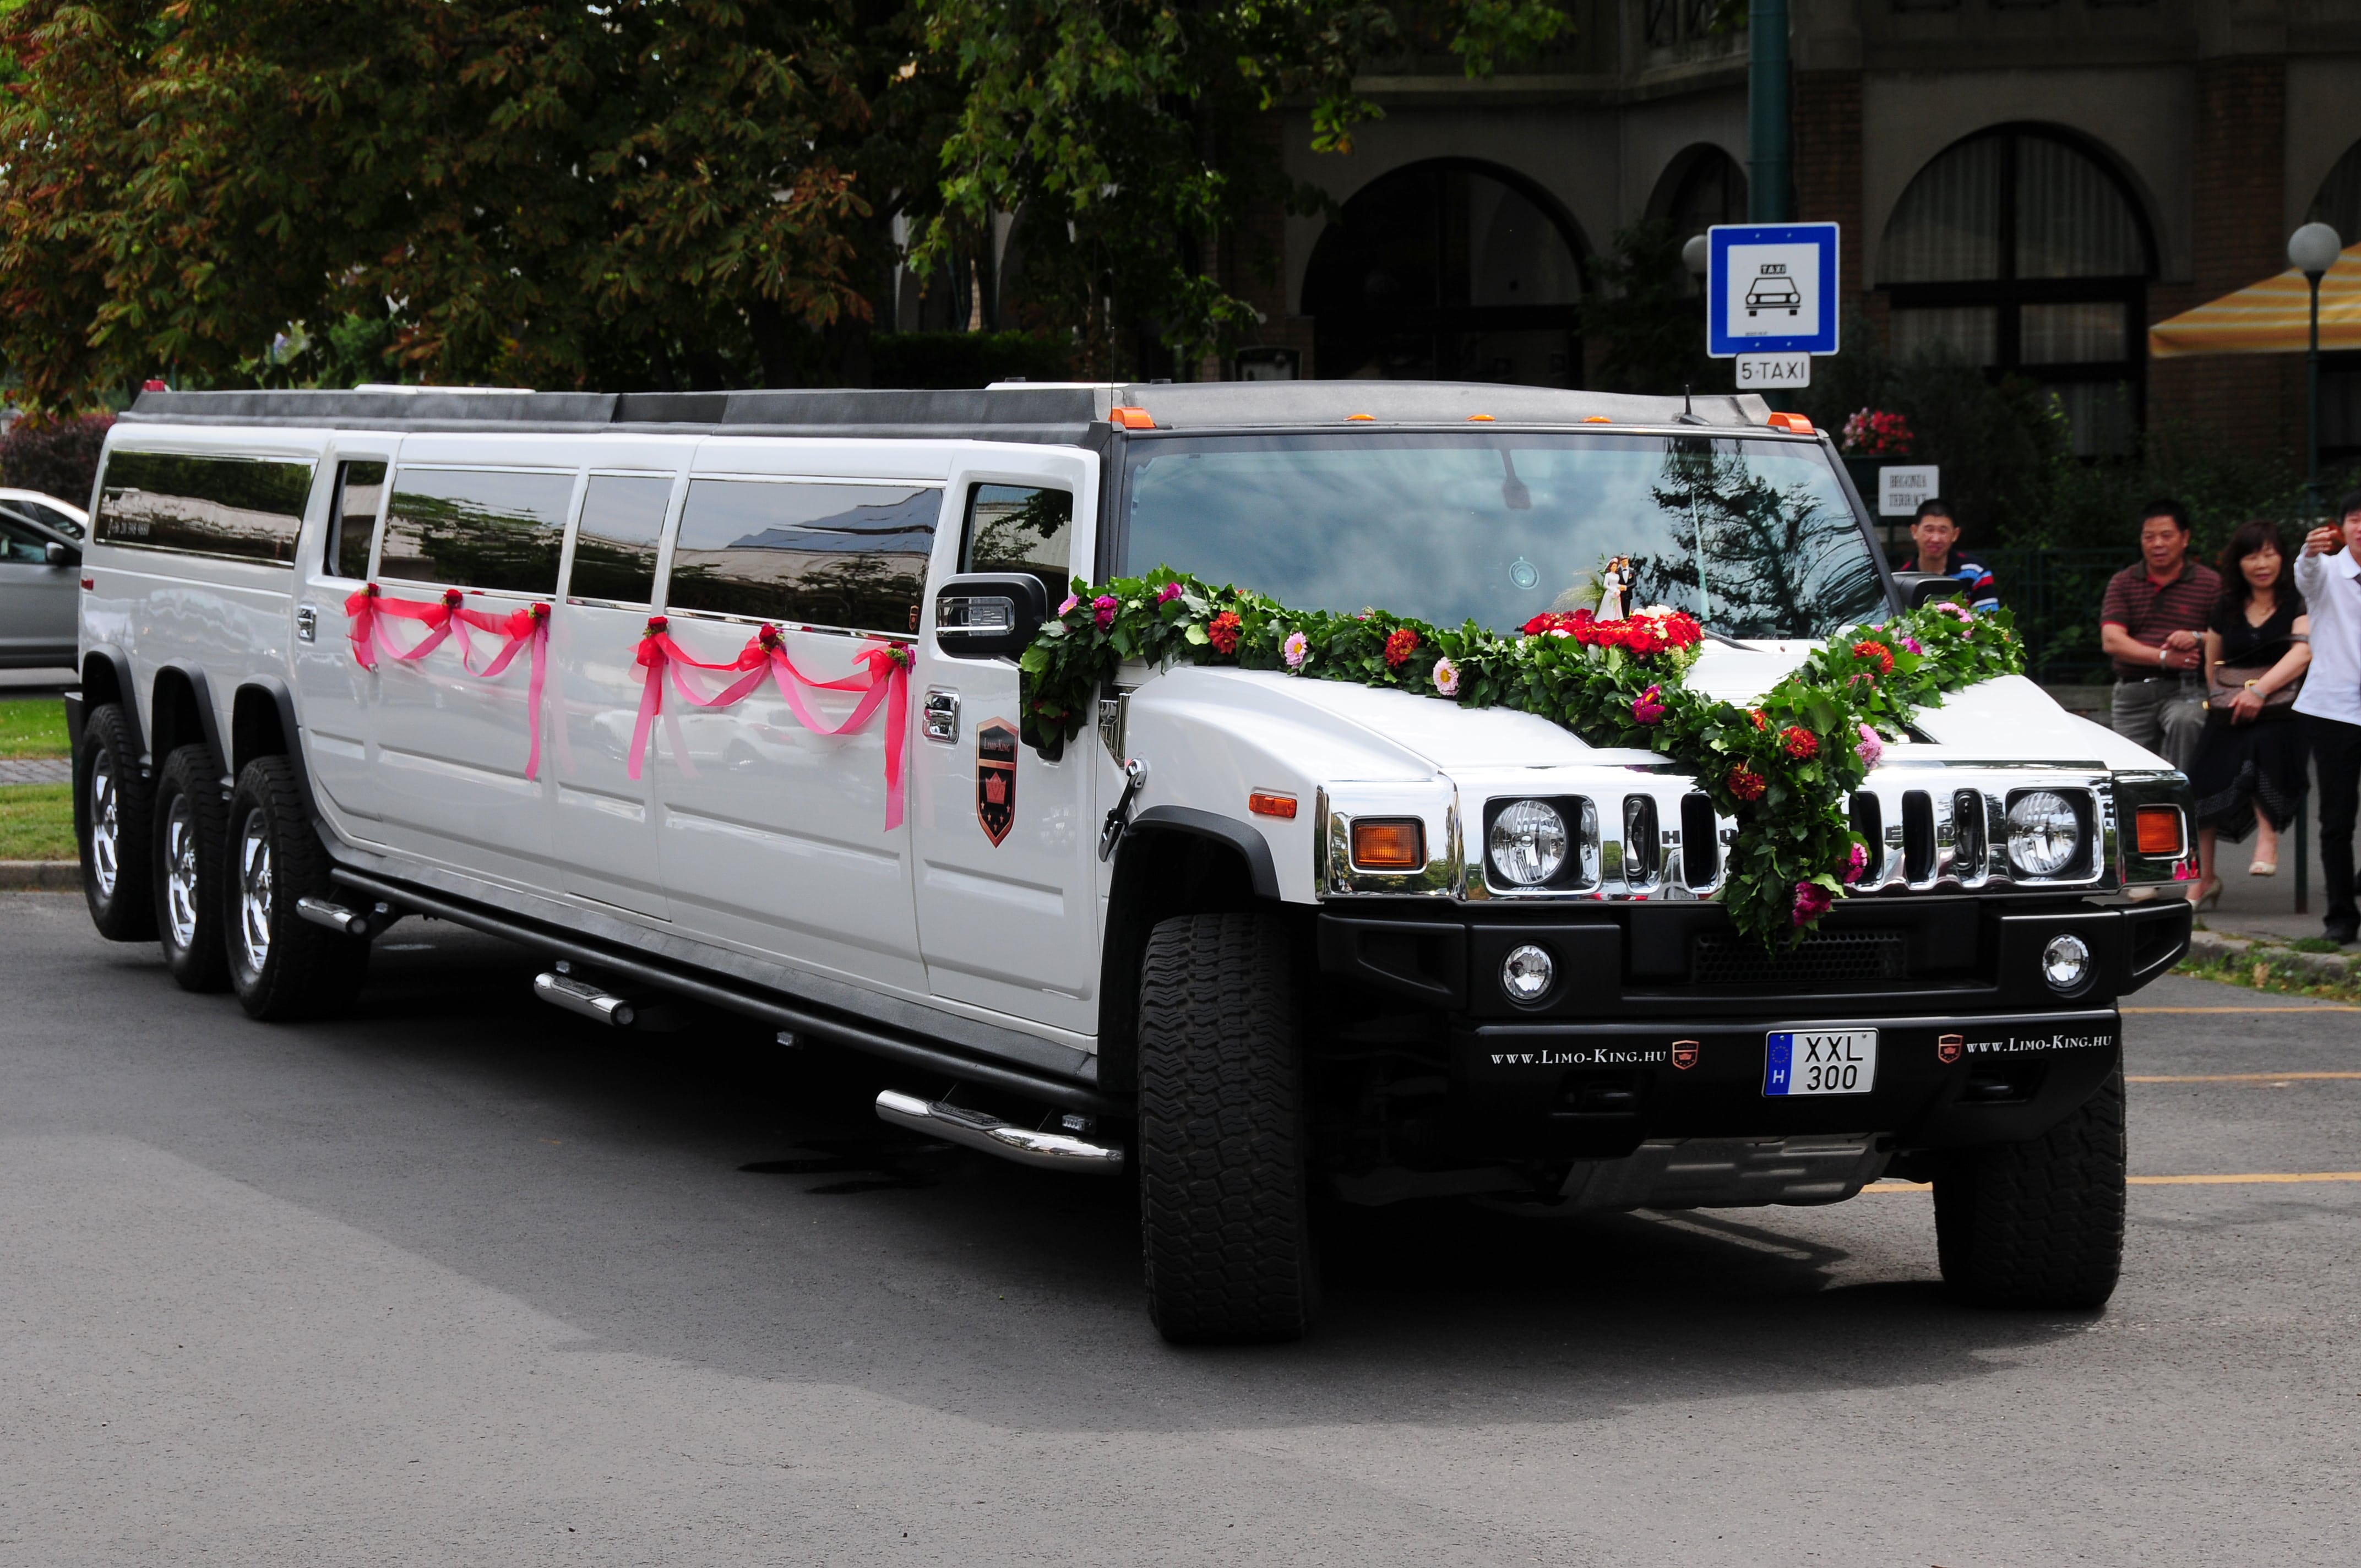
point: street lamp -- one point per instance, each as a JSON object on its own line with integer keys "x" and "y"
{"x": 2312, "y": 250}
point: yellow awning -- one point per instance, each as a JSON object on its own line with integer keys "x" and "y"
{"x": 2269, "y": 317}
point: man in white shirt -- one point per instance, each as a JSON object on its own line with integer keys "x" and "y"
{"x": 2328, "y": 575}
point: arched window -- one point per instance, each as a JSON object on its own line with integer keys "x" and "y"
{"x": 2019, "y": 251}
{"x": 1448, "y": 270}
{"x": 2338, "y": 205}
{"x": 1702, "y": 187}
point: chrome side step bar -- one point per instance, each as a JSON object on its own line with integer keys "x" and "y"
{"x": 974, "y": 1129}
{"x": 581, "y": 996}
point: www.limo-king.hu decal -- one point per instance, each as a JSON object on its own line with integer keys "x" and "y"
{"x": 995, "y": 778}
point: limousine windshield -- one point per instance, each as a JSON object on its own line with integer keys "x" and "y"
{"x": 1756, "y": 537}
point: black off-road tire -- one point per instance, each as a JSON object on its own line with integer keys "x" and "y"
{"x": 1222, "y": 1184}
{"x": 2038, "y": 1223}
{"x": 282, "y": 965}
{"x": 188, "y": 869}
{"x": 114, "y": 820}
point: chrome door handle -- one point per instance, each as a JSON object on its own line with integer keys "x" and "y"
{"x": 307, "y": 624}
{"x": 941, "y": 716}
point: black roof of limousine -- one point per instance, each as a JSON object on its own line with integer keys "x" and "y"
{"x": 1055, "y": 413}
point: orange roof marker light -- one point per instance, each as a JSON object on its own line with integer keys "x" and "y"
{"x": 1131, "y": 417}
{"x": 1350, "y": 417}
{"x": 1794, "y": 425}
{"x": 1479, "y": 418}
{"x": 1598, "y": 419}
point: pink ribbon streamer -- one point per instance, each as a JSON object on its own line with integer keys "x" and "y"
{"x": 884, "y": 680}
{"x": 447, "y": 616}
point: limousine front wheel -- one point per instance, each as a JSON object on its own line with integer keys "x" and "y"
{"x": 281, "y": 965}
{"x": 2038, "y": 1223}
{"x": 1223, "y": 1212}
{"x": 116, "y": 815}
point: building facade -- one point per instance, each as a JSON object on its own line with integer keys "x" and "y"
{"x": 2025, "y": 183}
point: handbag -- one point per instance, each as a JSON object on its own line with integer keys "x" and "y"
{"x": 2229, "y": 680}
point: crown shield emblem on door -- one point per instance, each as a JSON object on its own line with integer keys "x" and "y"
{"x": 1947, "y": 1047}
{"x": 995, "y": 778}
{"x": 1685, "y": 1054}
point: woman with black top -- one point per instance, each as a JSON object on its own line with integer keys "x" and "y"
{"x": 2249, "y": 768}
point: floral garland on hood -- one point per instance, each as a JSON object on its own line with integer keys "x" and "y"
{"x": 1783, "y": 769}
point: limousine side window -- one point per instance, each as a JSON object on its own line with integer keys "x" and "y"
{"x": 238, "y": 509}
{"x": 615, "y": 547}
{"x": 352, "y": 519}
{"x": 477, "y": 528}
{"x": 849, "y": 555}
{"x": 1019, "y": 528}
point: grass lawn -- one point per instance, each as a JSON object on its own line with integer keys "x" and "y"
{"x": 36, "y": 822}
{"x": 33, "y": 727}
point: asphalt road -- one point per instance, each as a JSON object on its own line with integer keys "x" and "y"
{"x": 462, "y": 1281}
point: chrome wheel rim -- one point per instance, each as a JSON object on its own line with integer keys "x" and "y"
{"x": 181, "y": 873}
{"x": 254, "y": 892}
{"x": 105, "y": 826}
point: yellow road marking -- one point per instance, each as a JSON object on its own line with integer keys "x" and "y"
{"x": 2314, "y": 1007}
{"x": 2274, "y": 1177}
{"x": 2233, "y": 1077}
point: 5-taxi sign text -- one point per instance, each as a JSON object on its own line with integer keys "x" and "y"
{"x": 1771, "y": 289}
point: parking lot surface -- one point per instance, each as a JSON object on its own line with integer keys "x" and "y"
{"x": 463, "y": 1280}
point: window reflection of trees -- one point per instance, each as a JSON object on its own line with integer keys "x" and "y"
{"x": 1753, "y": 558}
{"x": 463, "y": 541}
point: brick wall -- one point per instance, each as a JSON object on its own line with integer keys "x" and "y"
{"x": 1827, "y": 117}
{"x": 2237, "y": 237}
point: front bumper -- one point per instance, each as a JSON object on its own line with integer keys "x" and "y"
{"x": 1598, "y": 1091}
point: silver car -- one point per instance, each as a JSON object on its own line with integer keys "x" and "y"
{"x": 40, "y": 574}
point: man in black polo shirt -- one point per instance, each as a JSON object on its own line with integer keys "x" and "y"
{"x": 2153, "y": 626}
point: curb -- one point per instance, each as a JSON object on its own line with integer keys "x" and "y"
{"x": 40, "y": 876}
{"x": 2334, "y": 967}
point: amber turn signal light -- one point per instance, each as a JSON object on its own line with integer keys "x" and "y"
{"x": 1390, "y": 844}
{"x": 2158, "y": 830}
{"x": 1794, "y": 425}
{"x": 1263, "y": 804}
{"x": 1131, "y": 417}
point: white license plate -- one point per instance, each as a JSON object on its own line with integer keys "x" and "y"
{"x": 1820, "y": 1061}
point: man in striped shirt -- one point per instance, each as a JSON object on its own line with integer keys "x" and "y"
{"x": 1937, "y": 533}
{"x": 2153, "y": 626}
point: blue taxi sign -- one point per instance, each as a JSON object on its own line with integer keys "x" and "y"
{"x": 1771, "y": 289}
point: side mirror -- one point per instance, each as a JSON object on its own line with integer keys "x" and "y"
{"x": 59, "y": 554}
{"x": 988, "y": 614}
{"x": 1920, "y": 589}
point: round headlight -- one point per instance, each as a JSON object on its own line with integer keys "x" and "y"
{"x": 2044, "y": 833}
{"x": 1528, "y": 842}
{"x": 1527, "y": 973}
{"x": 2066, "y": 963}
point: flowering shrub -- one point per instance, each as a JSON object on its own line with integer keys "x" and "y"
{"x": 1873, "y": 433}
{"x": 1782, "y": 769}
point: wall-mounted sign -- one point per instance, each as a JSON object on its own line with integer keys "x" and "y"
{"x": 1900, "y": 490}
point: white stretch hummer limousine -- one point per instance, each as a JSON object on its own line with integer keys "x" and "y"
{"x": 714, "y": 697}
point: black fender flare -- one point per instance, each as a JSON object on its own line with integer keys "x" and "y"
{"x": 273, "y": 691}
{"x": 106, "y": 656}
{"x": 1249, "y": 844}
{"x": 208, "y": 722}
{"x": 1133, "y": 908}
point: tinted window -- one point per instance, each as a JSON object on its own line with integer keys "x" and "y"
{"x": 1757, "y": 537}
{"x": 1016, "y": 528}
{"x": 247, "y": 509}
{"x": 849, "y": 555}
{"x": 615, "y": 547}
{"x": 477, "y": 528}
{"x": 39, "y": 513}
{"x": 360, "y": 492}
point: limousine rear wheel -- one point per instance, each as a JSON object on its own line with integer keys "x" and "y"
{"x": 2038, "y": 1223}
{"x": 189, "y": 813}
{"x": 281, "y": 965}
{"x": 116, "y": 818}
{"x": 1223, "y": 1212}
